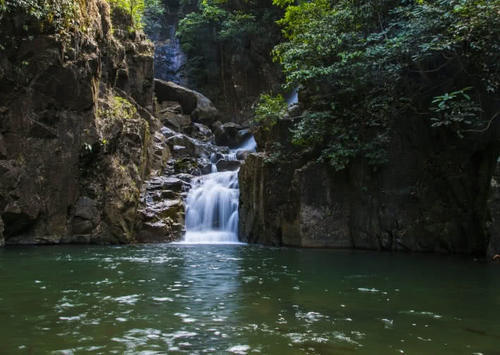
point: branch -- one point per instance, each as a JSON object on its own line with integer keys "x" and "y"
{"x": 433, "y": 70}
{"x": 484, "y": 129}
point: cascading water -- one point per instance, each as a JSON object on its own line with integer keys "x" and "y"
{"x": 293, "y": 97}
{"x": 212, "y": 204}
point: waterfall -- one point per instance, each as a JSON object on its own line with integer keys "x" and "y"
{"x": 169, "y": 57}
{"x": 212, "y": 204}
{"x": 292, "y": 97}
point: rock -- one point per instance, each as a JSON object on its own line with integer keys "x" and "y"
{"x": 228, "y": 165}
{"x": 193, "y": 103}
{"x": 155, "y": 232}
{"x": 242, "y": 154}
{"x": 165, "y": 183}
{"x": 76, "y": 125}
{"x": 3, "y": 149}
{"x": 200, "y": 132}
{"x": 167, "y": 132}
{"x": 187, "y": 165}
{"x": 184, "y": 177}
{"x": 494, "y": 217}
{"x": 159, "y": 153}
{"x": 161, "y": 215}
{"x": 230, "y": 134}
{"x": 86, "y": 216}
{"x": 82, "y": 226}
{"x": 425, "y": 200}
{"x": 176, "y": 121}
{"x": 86, "y": 208}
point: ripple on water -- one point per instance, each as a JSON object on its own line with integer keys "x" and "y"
{"x": 423, "y": 314}
{"x": 129, "y": 299}
{"x": 163, "y": 299}
{"x": 239, "y": 349}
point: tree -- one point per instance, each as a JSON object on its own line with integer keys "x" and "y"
{"x": 364, "y": 64}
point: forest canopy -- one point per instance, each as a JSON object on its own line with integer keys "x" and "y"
{"x": 363, "y": 64}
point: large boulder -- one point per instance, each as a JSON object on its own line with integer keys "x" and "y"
{"x": 193, "y": 103}
{"x": 230, "y": 134}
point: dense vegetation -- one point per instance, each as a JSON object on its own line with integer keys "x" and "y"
{"x": 228, "y": 43}
{"x": 62, "y": 16}
{"x": 362, "y": 65}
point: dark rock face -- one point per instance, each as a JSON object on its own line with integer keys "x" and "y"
{"x": 76, "y": 138}
{"x": 493, "y": 251}
{"x": 431, "y": 197}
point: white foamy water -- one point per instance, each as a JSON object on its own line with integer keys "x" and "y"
{"x": 212, "y": 205}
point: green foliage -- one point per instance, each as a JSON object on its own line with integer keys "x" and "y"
{"x": 145, "y": 14}
{"x": 269, "y": 109}
{"x": 222, "y": 36}
{"x": 365, "y": 64}
{"x": 275, "y": 154}
{"x": 223, "y": 26}
{"x": 135, "y": 8}
{"x": 54, "y": 16}
{"x": 457, "y": 110}
{"x": 153, "y": 12}
{"x": 63, "y": 16}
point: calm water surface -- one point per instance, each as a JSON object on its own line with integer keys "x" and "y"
{"x": 244, "y": 299}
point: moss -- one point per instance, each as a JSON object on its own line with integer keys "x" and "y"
{"x": 118, "y": 108}
{"x": 185, "y": 165}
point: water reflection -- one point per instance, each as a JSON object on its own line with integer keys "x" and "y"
{"x": 243, "y": 299}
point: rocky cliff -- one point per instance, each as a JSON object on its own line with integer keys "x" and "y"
{"x": 92, "y": 148}
{"x": 432, "y": 196}
{"x": 77, "y": 139}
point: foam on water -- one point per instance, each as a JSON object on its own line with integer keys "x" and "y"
{"x": 212, "y": 205}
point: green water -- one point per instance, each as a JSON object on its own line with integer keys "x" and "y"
{"x": 244, "y": 299}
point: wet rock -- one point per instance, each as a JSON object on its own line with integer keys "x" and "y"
{"x": 201, "y": 132}
{"x": 242, "y": 154}
{"x": 165, "y": 183}
{"x": 228, "y": 165}
{"x": 187, "y": 165}
{"x": 184, "y": 177}
{"x": 161, "y": 215}
{"x": 230, "y": 134}
{"x": 168, "y": 132}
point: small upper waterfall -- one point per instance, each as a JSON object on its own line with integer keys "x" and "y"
{"x": 292, "y": 97}
{"x": 169, "y": 57}
{"x": 212, "y": 204}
